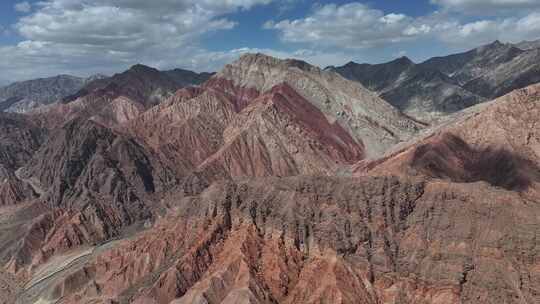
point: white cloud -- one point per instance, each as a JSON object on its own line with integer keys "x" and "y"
{"x": 486, "y": 6}
{"x": 356, "y": 26}
{"x": 53, "y": 59}
{"x": 216, "y": 60}
{"x": 353, "y": 25}
{"x": 23, "y": 7}
{"x": 484, "y": 31}
{"x": 83, "y": 37}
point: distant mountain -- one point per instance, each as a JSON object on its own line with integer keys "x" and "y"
{"x": 26, "y": 95}
{"x": 467, "y": 66}
{"x": 143, "y": 84}
{"x": 186, "y": 78}
{"x": 521, "y": 71}
{"x": 140, "y": 82}
{"x": 422, "y": 92}
{"x": 528, "y": 45}
{"x": 443, "y": 85}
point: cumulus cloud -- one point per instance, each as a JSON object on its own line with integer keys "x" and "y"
{"x": 23, "y": 7}
{"x": 128, "y": 25}
{"x": 486, "y": 6}
{"x": 484, "y": 31}
{"x": 356, "y": 25}
{"x": 90, "y": 36}
{"x": 82, "y": 37}
{"x": 353, "y": 25}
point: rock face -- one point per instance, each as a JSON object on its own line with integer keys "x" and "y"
{"x": 139, "y": 82}
{"x": 443, "y": 85}
{"x": 144, "y": 84}
{"x": 20, "y": 138}
{"x": 420, "y": 91}
{"x": 24, "y": 96}
{"x": 282, "y": 134}
{"x": 272, "y": 182}
{"x": 367, "y": 117}
{"x": 528, "y": 45}
{"x": 501, "y": 136}
{"x": 329, "y": 240}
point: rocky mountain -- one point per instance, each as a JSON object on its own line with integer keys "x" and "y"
{"x": 272, "y": 182}
{"x": 24, "y": 96}
{"x": 138, "y": 82}
{"x": 491, "y": 70}
{"x": 188, "y": 78}
{"x": 367, "y": 117}
{"x": 420, "y": 91}
{"x": 470, "y": 65}
{"x": 528, "y": 45}
{"x": 444, "y": 85}
{"x": 143, "y": 84}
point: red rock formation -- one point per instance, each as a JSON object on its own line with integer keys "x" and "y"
{"x": 313, "y": 240}
{"x": 498, "y": 143}
{"x": 450, "y": 218}
{"x": 282, "y": 134}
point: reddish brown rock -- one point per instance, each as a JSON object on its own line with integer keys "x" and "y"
{"x": 195, "y": 190}
{"x": 282, "y": 134}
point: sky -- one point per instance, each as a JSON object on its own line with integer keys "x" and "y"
{"x": 40, "y": 38}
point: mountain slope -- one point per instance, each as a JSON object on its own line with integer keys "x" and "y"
{"x": 528, "y": 45}
{"x": 444, "y": 85}
{"x": 27, "y": 95}
{"x": 115, "y": 100}
{"x": 144, "y": 84}
{"x": 240, "y": 191}
{"x": 368, "y": 118}
{"x": 520, "y": 72}
{"x": 281, "y": 134}
{"x": 467, "y": 66}
{"x": 497, "y": 142}
{"x": 421, "y": 92}
{"x": 491, "y": 70}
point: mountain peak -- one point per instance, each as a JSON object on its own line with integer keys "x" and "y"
{"x": 141, "y": 68}
{"x": 495, "y": 45}
{"x": 404, "y": 60}
{"x": 261, "y": 59}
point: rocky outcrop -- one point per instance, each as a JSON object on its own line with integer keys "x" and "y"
{"x": 312, "y": 240}
{"x": 94, "y": 181}
{"x": 91, "y": 161}
{"x": 19, "y": 139}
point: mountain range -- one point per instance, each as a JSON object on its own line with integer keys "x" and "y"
{"x": 24, "y": 96}
{"x": 275, "y": 181}
{"x": 443, "y": 85}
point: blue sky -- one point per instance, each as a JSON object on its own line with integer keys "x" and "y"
{"x": 83, "y": 37}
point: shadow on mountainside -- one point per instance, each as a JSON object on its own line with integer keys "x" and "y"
{"x": 452, "y": 158}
